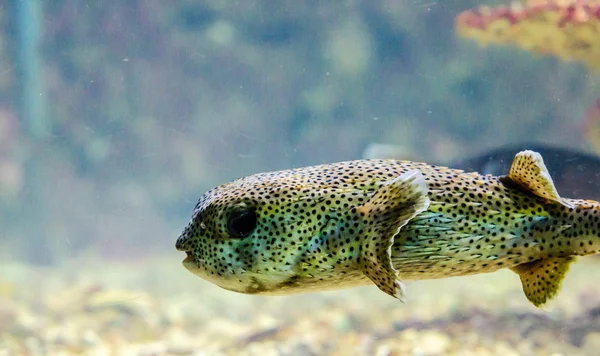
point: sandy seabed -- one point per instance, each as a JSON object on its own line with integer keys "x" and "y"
{"x": 155, "y": 307}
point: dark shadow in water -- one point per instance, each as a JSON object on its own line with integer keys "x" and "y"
{"x": 575, "y": 173}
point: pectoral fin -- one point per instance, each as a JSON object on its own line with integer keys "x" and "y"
{"x": 390, "y": 208}
{"x": 543, "y": 278}
{"x": 529, "y": 172}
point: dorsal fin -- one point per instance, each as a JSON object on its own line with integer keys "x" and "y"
{"x": 530, "y": 173}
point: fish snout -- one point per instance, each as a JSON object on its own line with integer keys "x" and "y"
{"x": 184, "y": 244}
{"x": 183, "y": 240}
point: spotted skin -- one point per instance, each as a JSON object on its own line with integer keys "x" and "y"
{"x": 313, "y": 227}
{"x": 537, "y": 277}
{"x": 529, "y": 171}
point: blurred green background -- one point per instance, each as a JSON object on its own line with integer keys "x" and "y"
{"x": 147, "y": 104}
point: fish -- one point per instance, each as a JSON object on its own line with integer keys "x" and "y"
{"x": 384, "y": 222}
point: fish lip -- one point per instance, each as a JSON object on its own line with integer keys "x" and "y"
{"x": 189, "y": 257}
{"x": 180, "y": 245}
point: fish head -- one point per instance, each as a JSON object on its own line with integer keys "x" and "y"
{"x": 307, "y": 229}
{"x": 274, "y": 233}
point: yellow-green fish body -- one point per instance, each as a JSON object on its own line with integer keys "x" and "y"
{"x": 383, "y": 221}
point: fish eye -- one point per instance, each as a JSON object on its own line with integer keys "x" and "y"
{"x": 241, "y": 223}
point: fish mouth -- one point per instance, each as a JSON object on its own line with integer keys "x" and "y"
{"x": 189, "y": 257}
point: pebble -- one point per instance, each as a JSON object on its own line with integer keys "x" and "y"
{"x": 591, "y": 343}
{"x": 432, "y": 343}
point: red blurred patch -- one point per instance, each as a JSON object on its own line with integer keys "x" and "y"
{"x": 568, "y": 29}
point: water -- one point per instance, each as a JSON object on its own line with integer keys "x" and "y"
{"x": 116, "y": 117}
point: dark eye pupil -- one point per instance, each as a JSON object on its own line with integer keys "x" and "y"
{"x": 242, "y": 223}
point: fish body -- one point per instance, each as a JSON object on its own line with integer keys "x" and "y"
{"x": 385, "y": 221}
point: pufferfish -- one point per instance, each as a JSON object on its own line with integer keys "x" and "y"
{"x": 383, "y": 222}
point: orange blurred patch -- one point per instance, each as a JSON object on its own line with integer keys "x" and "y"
{"x": 568, "y": 29}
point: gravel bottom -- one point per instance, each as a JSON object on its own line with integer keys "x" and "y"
{"x": 156, "y": 307}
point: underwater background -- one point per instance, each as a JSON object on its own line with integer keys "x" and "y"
{"x": 115, "y": 116}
